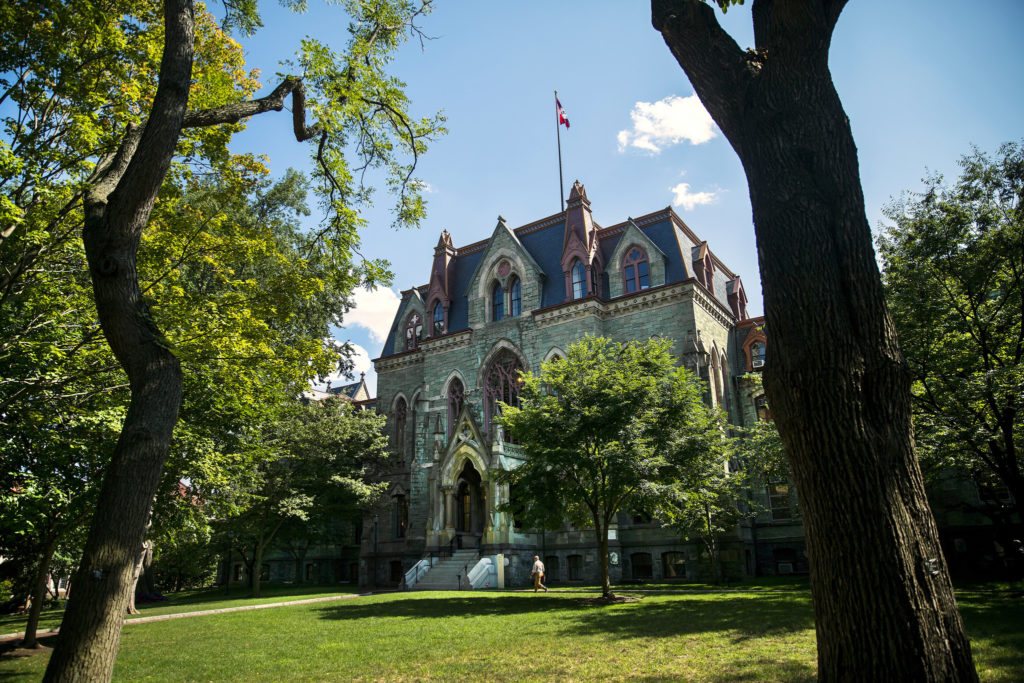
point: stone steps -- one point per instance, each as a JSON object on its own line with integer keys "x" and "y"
{"x": 445, "y": 575}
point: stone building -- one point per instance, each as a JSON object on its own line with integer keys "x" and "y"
{"x": 511, "y": 302}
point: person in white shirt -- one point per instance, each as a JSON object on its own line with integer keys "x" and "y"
{"x": 538, "y": 574}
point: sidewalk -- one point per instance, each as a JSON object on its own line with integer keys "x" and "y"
{"x": 42, "y": 633}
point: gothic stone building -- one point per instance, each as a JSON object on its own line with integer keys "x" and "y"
{"x": 511, "y": 302}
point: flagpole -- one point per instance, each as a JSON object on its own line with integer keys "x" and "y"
{"x": 558, "y": 133}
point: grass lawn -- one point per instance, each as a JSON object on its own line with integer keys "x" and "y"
{"x": 197, "y": 600}
{"x": 761, "y": 636}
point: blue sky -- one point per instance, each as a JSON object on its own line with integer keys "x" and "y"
{"x": 921, "y": 81}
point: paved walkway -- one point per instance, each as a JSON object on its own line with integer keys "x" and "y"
{"x": 200, "y": 613}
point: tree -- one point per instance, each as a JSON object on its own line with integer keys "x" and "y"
{"x": 840, "y": 390}
{"x": 595, "y": 426}
{"x": 318, "y": 455}
{"x": 97, "y": 127}
{"x": 953, "y": 267}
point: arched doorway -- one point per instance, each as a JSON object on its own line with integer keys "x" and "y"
{"x": 469, "y": 505}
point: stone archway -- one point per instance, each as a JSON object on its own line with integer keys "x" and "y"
{"x": 470, "y": 514}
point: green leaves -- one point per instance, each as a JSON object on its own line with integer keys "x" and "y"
{"x": 954, "y": 276}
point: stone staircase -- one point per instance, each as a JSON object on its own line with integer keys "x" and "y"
{"x": 444, "y": 576}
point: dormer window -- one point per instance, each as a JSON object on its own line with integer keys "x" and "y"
{"x": 438, "y": 319}
{"x": 636, "y": 272}
{"x": 579, "y": 280}
{"x": 413, "y": 330}
{"x": 515, "y": 300}
{"x": 497, "y": 302}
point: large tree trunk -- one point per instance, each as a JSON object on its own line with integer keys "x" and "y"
{"x": 117, "y": 209}
{"x": 883, "y": 601}
{"x": 39, "y": 591}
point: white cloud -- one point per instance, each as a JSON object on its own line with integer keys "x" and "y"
{"x": 686, "y": 199}
{"x": 657, "y": 125}
{"x": 373, "y": 310}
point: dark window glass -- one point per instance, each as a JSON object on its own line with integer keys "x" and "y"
{"x": 456, "y": 397}
{"x": 401, "y": 411}
{"x": 579, "y": 280}
{"x": 515, "y": 298}
{"x": 551, "y": 569}
{"x": 575, "y": 567}
{"x": 501, "y": 383}
{"x": 642, "y": 567}
{"x": 497, "y": 302}
{"x": 636, "y": 270}
{"x": 673, "y": 565}
{"x": 438, "y": 319}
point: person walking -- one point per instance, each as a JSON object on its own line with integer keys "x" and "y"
{"x": 538, "y": 575}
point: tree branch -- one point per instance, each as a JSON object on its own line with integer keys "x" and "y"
{"x": 233, "y": 113}
{"x": 716, "y": 66}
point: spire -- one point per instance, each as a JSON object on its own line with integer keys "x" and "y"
{"x": 580, "y": 241}
{"x": 442, "y": 278}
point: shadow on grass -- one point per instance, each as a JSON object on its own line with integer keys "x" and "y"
{"x": 743, "y": 616}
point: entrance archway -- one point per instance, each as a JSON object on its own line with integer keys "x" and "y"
{"x": 469, "y": 501}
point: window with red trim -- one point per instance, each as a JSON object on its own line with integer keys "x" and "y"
{"x": 636, "y": 272}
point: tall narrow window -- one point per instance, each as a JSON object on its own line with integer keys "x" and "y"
{"x": 401, "y": 410}
{"x": 636, "y": 270}
{"x": 401, "y": 516}
{"x": 413, "y": 330}
{"x": 515, "y": 301}
{"x": 438, "y": 319}
{"x": 501, "y": 383}
{"x": 456, "y": 398}
{"x": 497, "y": 302}
{"x": 757, "y": 354}
{"x": 579, "y": 280}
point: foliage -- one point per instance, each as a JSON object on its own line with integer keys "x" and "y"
{"x": 705, "y": 498}
{"x": 596, "y": 425}
{"x": 954, "y": 276}
{"x": 317, "y": 458}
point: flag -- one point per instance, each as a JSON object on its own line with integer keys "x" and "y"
{"x": 562, "y": 116}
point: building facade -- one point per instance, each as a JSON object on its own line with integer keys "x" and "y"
{"x": 511, "y": 302}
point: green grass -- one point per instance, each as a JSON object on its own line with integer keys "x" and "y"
{"x": 196, "y": 600}
{"x": 759, "y": 636}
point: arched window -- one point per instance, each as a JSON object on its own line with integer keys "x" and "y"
{"x": 757, "y": 354}
{"x": 501, "y": 383}
{"x": 413, "y": 330}
{"x": 636, "y": 273}
{"x": 456, "y": 399}
{"x": 716, "y": 380}
{"x": 579, "y": 280}
{"x": 401, "y": 410}
{"x": 724, "y": 386}
{"x": 515, "y": 302}
{"x": 497, "y": 302}
{"x": 438, "y": 319}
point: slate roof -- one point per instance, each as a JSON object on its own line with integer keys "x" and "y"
{"x": 543, "y": 239}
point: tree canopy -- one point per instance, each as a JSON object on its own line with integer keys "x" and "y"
{"x": 953, "y": 260}
{"x": 595, "y": 426}
{"x": 112, "y": 112}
